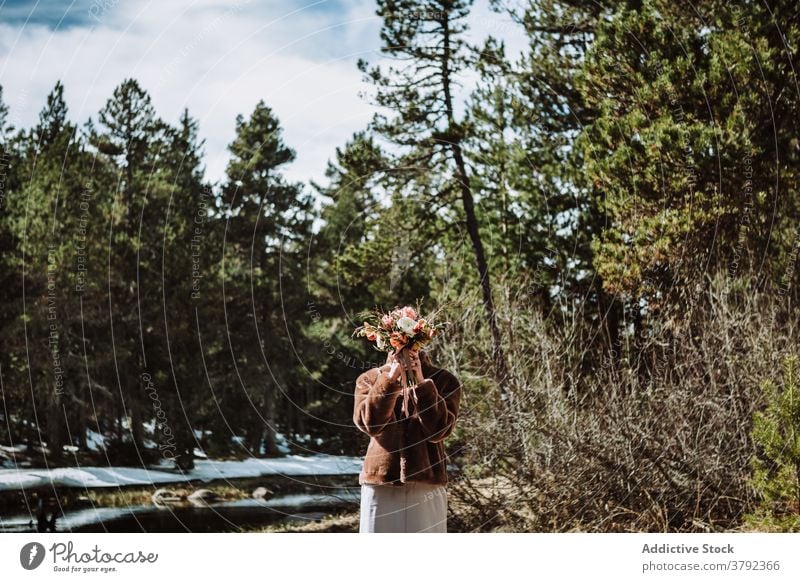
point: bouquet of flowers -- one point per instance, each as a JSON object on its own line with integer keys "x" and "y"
{"x": 401, "y": 328}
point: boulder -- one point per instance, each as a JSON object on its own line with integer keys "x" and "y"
{"x": 262, "y": 493}
{"x": 203, "y": 496}
{"x": 164, "y": 496}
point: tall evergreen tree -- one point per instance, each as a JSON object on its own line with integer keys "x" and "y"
{"x": 427, "y": 36}
{"x": 519, "y": 171}
{"x": 131, "y": 142}
{"x": 268, "y": 225}
{"x": 559, "y": 214}
{"x": 687, "y": 186}
{"x": 45, "y": 216}
{"x": 10, "y": 288}
{"x": 185, "y": 265}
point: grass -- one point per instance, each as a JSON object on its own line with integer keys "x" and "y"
{"x": 347, "y": 522}
{"x": 143, "y": 496}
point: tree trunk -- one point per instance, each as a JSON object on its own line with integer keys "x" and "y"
{"x": 454, "y": 138}
{"x": 55, "y": 427}
{"x": 498, "y": 357}
{"x": 270, "y": 440}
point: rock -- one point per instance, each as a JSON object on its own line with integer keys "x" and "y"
{"x": 262, "y": 493}
{"x": 203, "y": 496}
{"x": 164, "y": 496}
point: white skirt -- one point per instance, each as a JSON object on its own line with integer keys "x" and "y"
{"x": 411, "y": 507}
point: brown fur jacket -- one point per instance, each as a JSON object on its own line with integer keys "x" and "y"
{"x": 406, "y": 448}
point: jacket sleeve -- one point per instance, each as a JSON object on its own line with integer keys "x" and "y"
{"x": 375, "y": 400}
{"x": 438, "y": 410}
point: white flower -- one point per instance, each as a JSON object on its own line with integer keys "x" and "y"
{"x": 379, "y": 342}
{"x": 406, "y": 325}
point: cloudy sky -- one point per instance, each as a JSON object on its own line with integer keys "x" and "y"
{"x": 216, "y": 57}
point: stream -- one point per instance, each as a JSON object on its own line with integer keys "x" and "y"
{"x": 215, "y": 496}
{"x": 223, "y": 516}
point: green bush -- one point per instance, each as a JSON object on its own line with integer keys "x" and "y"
{"x": 776, "y": 472}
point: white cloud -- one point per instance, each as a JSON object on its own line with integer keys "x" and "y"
{"x": 216, "y": 58}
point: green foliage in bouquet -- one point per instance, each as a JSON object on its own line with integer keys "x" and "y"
{"x": 402, "y": 327}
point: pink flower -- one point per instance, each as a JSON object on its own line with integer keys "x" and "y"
{"x": 387, "y": 321}
{"x": 409, "y": 312}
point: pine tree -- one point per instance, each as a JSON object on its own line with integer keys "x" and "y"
{"x": 268, "y": 225}
{"x": 44, "y": 214}
{"x": 342, "y": 283}
{"x": 185, "y": 266}
{"x": 684, "y": 186}
{"x": 10, "y": 282}
{"x": 426, "y": 39}
{"x": 349, "y": 197}
{"x": 131, "y": 142}
{"x": 519, "y": 171}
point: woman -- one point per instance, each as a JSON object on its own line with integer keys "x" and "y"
{"x": 404, "y": 477}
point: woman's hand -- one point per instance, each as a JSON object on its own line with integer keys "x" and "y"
{"x": 407, "y": 360}
{"x": 414, "y": 365}
{"x": 395, "y": 366}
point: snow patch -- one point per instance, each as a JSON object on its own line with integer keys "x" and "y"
{"x": 205, "y": 470}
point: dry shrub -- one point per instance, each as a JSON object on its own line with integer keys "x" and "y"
{"x": 656, "y": 440}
